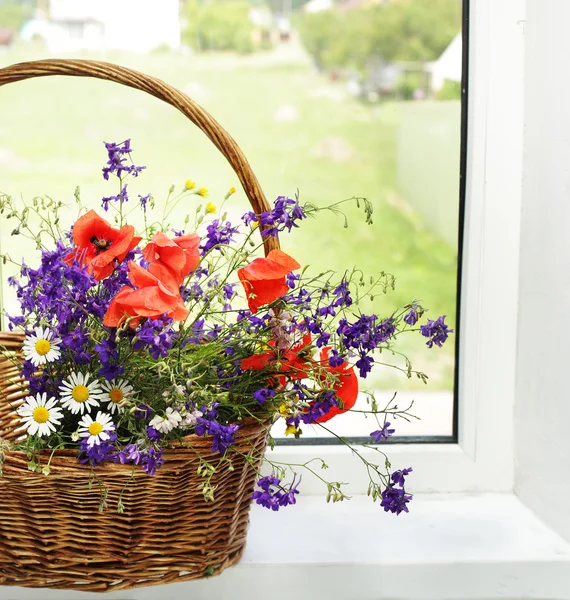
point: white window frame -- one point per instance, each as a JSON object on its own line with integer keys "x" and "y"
{"x": 482, "y": 460}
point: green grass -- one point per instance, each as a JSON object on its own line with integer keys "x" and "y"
{"x": 51, "y": 133}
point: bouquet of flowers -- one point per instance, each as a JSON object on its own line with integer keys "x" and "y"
{"x": 136, "y": 342}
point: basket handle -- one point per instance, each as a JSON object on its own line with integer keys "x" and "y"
{"x": 165, "y": 92}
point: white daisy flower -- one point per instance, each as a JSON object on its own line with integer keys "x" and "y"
{"x": 77, "y": 394}
{"x": 40, "y": 414}
{"x": 167, "y": 423}
{"x": 41, "y": 347}
{"x": 114, "y": 393}
{"x": 96, "y": 430}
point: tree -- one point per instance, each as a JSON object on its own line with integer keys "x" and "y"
{"x": 410, "y": 30}
{"x": 221, "y": 25}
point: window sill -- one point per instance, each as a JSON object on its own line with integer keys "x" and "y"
{"x": 448, "y": 547}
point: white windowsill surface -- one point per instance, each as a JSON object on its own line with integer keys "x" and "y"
{"x": 449, "y": 547}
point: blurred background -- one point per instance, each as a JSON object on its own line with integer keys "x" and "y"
{"x": 333, "y": 98}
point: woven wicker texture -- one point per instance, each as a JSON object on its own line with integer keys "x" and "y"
{"x": 52, "y": 533}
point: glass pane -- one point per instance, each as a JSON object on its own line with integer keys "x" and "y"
{"x": 331, "y": 98}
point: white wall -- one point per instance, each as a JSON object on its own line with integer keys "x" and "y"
{"x": 542, "y": 414}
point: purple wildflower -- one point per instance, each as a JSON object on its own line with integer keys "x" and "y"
{"x": 15, "y": 321}
{"x": 156, "y": 336}
{"x": 383, "y": 433}
{"x": 143, "y": 200}
{"x": 152, "y": 460}
{"x": 218, "y": 234}
{"x": 335, "y": 359}
{"x": 394, "y": 500}
{"x": 121, "y": 197}
{"x": 398, "y": 477}
{"x": 144, "y": 412}
{"x": 263, "y": 394}
{"x": 364, "y": 365}
{"x": 284, "y": 215}
{"x": 97, "y": 453}
{"x": 291, "y": 278}
{"x": 273, "y": 495}
{"x": 129, "y": 454}
{"x": 437, "y": 332}
{"x": 319, "y": 407}
{"x": 323, "y": 339}
{"x": 109, "y": 357}
{"x": 117, "y": 154}
{"x": 411, "y": 317}
{"x": 366, "y": 334}
{"x": 152, "y": 434}
{"x": 223, "y": 435}
{"x": 342, "y": 293}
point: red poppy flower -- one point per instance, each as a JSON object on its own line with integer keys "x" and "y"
{"x": 264, "y": 279}
{"x": 179, "y": 255}
{"x": 99, "y": 245}
{"x": 290, "y": 363}
{"x": 346, "y": 388}
{"x": 151, "y": 299}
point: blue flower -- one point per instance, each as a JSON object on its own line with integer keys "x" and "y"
{"x": 97, "y": 453}
{"x": 285, "y": 214}
{"x": 437, "y": 332}
{"x": 273, "y": 495}
{"x": 342, "y": 294}
{"x": 398, "y": 477}
{"x": 411, "y": 318}
{"x": 152, "y": 434}
{"x": 121, "y": 197}
{"x": 117, "y": 154}
{"x": 152, "y": 460}
{"x": 129, "y": 454}
{"x": 318, "y": 408}
{"x": 218, "y": 234}
{"x": 394, "y": 500}
{"x": 143, "y": 200}
{"x": 364, "y": 365}
{"x": 156, "y": 336}
{"x": 291, "y": 278}
{"x": 223, "y": 434}
{"x": 383, "y": 433}
{"x": 335, "y": 359}
{"x": 263, "y": 394}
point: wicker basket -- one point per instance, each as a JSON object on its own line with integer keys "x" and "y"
{"x": 51, "y": 531}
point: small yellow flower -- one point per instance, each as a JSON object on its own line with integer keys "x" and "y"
{"x": 291, "y": 430}
{"x": 190, "y": 184}
{"x": 203, "y": 192}
{"x": 231, "y": 191}
{"x": 211, "y": 208}
{"x": 254, "y": 225}
{"x": 283, "y": 409}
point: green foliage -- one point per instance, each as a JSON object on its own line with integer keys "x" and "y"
{"x": 13, "y": 16}
{"x": 223, "y": 25}
{"x": 317, "y": 32}
{"x": 451, "y": 90}
{"x": 276, "y": 6}
{"x": 411, "y": 30}
{"x": 408, "y": 83}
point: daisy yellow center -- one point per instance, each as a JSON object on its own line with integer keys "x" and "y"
{"x": 80, "y": 393}
{"x": 43, "y": 347}
{"x": 95, "y": 428}
{"x": 41, "y": 414}
{"x": 116, "y": 395}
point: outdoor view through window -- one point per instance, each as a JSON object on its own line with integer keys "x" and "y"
{"x": 329, "y": 99}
